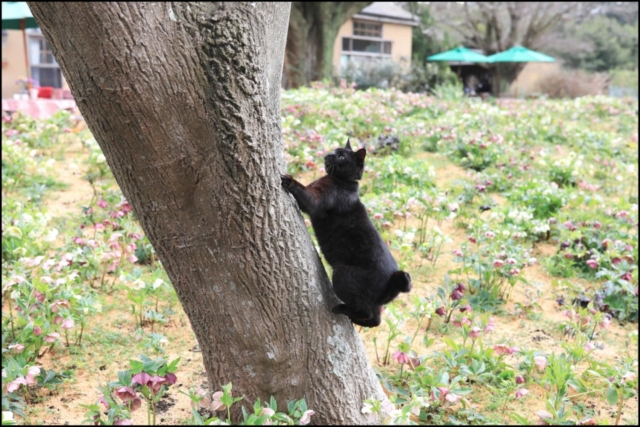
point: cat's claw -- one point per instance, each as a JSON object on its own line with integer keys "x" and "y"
{"x": 286, "y": 181}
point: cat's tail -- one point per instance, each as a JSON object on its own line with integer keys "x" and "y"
{"x": 400, "y": 281}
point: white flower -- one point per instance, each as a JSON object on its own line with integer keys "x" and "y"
{"x": 51, "y": 235}
{"x": 157, "y": 283}
{"x": 138, "y": 284}
{"x": 408, "y": 238}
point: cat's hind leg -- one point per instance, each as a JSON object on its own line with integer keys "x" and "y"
{"x": 350, "y": 285}
{"x": 373, "y": 321}
{"x": 358, "y": 313}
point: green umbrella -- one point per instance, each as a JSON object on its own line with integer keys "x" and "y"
{"x": 17, "y": 16}
{"x": 14, "y": 14}
{"x": 520, "y": 54}
{"x": 461, "y": 54}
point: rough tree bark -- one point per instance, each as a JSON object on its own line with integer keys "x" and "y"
{"x": 184, "y": 100}
{"x": 313, "y": 27}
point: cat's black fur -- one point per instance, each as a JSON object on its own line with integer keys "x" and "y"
{"x": 365, "y": 275}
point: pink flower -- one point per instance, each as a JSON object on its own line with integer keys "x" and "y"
{"x": 443, "y": 392}
{"x": 171, "y": 378}
{"x": 589, "y": 346}
{"x": 521, "y": 392}
{"x": 99, "y": 226}
{"x": 103, "y": 203}
{"x": 457, "y": 252}
{"x": 39, "y": 296}
{"x": 440, "y": 311}
{"x": 216, "y": 403}
{"x": 452, "y": 398}
{"x": 569, "y": 225}
{"x": 59, "y": 303}
{"x": 498, "y": 263}
{"x": 475, "y": 332}
{"x": 104, "y": 402}
{"x": 514, "y": 272}
{"x": 472, "y": 239}
{"x": 491, "y": 326}
{"x": 544, "y": 415}
{"x": 67, "y": 324}
{"x": 155, "y": 382}
{"x": 141, "y": 378}
{"x": 57, "y": 320}
{"x": 400, "y": 357}
{"x": 17, "y": 348}
{"x": 510, "y": 261}
{"x": 519, "y": 379}
{"x": 378, "y": 216}
{"x": 540, "y": 362}
{"x": 504, "y": 349}
{"x": 606, "y": 321}
{"x": 466, "y": 308}
{"x": 125, "y": 207}
{"x": 52, "y": 337}
{"x": 456, "y": 295}
{"x": 628, "y": 377}
{"x": 127, "y": 422}
{"x": 592, "y": 263}
{"x": 126, "y": 393}
{"x": 306, "y": 417}
{"x": 490, "y": 234}
{"x": 78, "y": 240}
{"x": 37, "y": 331}
{"x": 15, "y": 384}
{"x": 466, "y": 321}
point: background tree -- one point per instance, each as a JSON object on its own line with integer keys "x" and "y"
{"x": 604, "y": 39}
{"x": 183, "y": 99}
{"x": 497, "y": 26}
{"x": 313, "y": 27}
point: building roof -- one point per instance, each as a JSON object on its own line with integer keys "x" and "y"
{"x": 387, "y": 12}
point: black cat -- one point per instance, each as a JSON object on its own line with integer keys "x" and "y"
{"x": 365, "y": 275}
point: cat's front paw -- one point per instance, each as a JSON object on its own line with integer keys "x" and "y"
{"x": 286, "y": 181}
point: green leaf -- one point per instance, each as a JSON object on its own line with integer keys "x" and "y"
{"x": 612, "y": 395}
{"x": 136, "y": 366}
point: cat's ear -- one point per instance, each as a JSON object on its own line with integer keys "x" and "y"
{"x": 361, "y": 154}
{"x": 348, "y": 146}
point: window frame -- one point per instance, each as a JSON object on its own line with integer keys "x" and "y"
{"x": 34, "y": 68}
{"x": 353, "y": 36}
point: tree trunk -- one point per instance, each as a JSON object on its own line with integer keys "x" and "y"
{"x": 184, "y": 100}
{"x": 313, "y": 27}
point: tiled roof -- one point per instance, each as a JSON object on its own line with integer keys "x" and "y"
{"x": 388, "y": 10}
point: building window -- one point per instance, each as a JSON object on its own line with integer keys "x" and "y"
{"x": 367, "y": 29}
{"x": 366, "y": 44}
{"x": 381, "y": 47}
{"x": 44, "y": 67}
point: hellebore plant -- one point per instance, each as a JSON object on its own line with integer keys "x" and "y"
{"x": 150, "y": 378}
